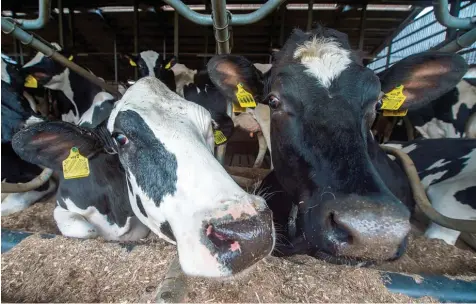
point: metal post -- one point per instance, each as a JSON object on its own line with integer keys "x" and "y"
{"x": 60, "y": 23}
{"x": 443, "y": 16}
{"x": 176, "y": 34}
{"x": 136, "y": 34}
{"x": 281, "y": 30}
{"x": 363, "y": 16}
{"x": 389, "y": 53}
{"x": 15, "y": 42}
{"x": 454, "y": 11}
{"x": 71, "y": 26}
{"x": 43, "y": 16}
{"x": 164, "y": 47}
{"x": 22, "y": 59}
{"x": 309, "y": 14}
{"x": 115, "y": 60}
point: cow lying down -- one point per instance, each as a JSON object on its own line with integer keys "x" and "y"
{"x": 151, "y": 166}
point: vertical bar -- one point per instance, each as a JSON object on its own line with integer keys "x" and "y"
{"x": 363, "y": 16}
{"x": 164, "y": 47}
{"x": 454, "y": 11}
{"x": 207, "y": 11}
{"x": 115, "y": 60}
{"x": 310, "y": 7}
{"x": 20, "y": 47}
{"x": 60, "y": 23}
{"x": 389, "y": 53}
{"x": 136, "y": 34}
{"x": 71, "y": 26}
{"x": 281, "y": 30}
{"x": 15, "y": 41}
{"x": 176, "y": 34}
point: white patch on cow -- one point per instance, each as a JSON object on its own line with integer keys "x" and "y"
{"x": 427, "y": 180}
{"x": 471, "y": 73}
{"x": 5, "y": 75}
{"x": 90, "y": 223}
{"x": 324, "y": 58}
{"x": 196, "y": 199}
{"x": 61, "y": 82}
{"x": 39, "y": 56}
{"x": 438, "y": 164}
{"x": 407, "y": 149}
{"x": 98, "y": 100}
{"x": 16, "y": 202}
{"x": 263, "y": 67}
{"x": 33, "y": 120}
{"x": 150, "y": 59}
{"x": 436, "y": 128}
{"x": 183, "y": 76}
{"x": 467, "y": 96}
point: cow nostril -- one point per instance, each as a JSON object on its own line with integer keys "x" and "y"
{"x": 221, "y": 241}
{"x": 339, "y": 231}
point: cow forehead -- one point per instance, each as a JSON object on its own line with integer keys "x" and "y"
{"x": 39, "y": 56}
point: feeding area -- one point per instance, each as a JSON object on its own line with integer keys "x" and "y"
{"x": 238, "y": 151}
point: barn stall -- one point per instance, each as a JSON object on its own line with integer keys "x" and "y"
{"x": 47, "y": 267}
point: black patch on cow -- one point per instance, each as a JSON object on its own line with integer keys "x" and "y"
{"x": 146, "y": 157}
{"x": 467, "y": 196}
{"x": 167, "y": 230}
{"x": 139, "y": 204}
{"x": 100, "y": 114}
{"x": 445, "y": 150}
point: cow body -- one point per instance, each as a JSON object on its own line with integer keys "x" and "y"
{"x": 335, "y": 193}
{"x": 152, "y": 167}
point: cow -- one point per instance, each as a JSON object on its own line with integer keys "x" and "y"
{"x": 152, "y": 167}
{"x": 17, "y": 113}
{"x": 74, "y": 94}
{"x": 336, "y": 195}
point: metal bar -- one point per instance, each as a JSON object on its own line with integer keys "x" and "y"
{"x": 241, "y": 19}
{"x": 22, "y": 58}
{"x": 15, "y": 43}
{"x": 463, "y": 41}
{"x": 71, "y": 27}
{"x": 454, "y": 11}
{"x": 136, "y": 34}
{"x": 40, "y": 22}
{"x": 419, "y": 41}
{"x": 416, "y": 31}
{"x": 310, "y": 6}
{"x": 443, "y": 16}
{"x": 363, "y": 15}
{"x": 176, "y": 34}
{"x": 60, "y": 23}
{"x": 281, "y": 30}
{"x": 28, "y": 39}
{"x": 115, "y": 60}
{"x": 389, "y": 54}
{"x": 164, "y": 46}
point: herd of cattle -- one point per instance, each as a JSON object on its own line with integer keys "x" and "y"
{"x": 333, "y": 192}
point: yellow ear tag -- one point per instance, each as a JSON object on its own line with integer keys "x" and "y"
{"x": 31, "y": 82}
{"x": 245, "y": 98}
{"x": 219, "y": 137}
{"x": 238, "y": 109}
{"x": 132, "y": 63}
{"x": 394, "y": 99}
{"x": 395, "y": 113}
{"x": 167, "y": 66}
{"x": 70, "y": 58}
{"x": 75, "y": 165}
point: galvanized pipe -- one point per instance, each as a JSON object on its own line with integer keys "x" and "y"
{"x": 444, "y": 17}
{"x": 176, "y": 34}
{"x": 454, "y": 11}
{"x": 309, "y": 14}
{"x": 60, "y": 23}
{"x": 241, "y": 19}
{"x": 363, "y": 16}
{"x": 464, "y": 41}
{"x": 28, "y": 39}
{"x": 38, "y": 23}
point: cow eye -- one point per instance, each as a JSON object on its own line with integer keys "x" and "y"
{"x": 120, "y": 139}
{"x": 273, "y": 102}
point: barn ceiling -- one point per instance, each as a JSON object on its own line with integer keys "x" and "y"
{"x": 91, "y": 35}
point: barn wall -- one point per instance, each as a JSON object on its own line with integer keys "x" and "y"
{"x": 422, "y": 34}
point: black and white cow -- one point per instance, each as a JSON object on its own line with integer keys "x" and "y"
{"x": 74, "y": 94}
{"x": 154, "y": 162}
{"x": 17, "y": 113}
{"x": 336, "y": 194}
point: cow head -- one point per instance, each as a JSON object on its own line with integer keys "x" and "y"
{"x": 176, "y": 187}
{"x": 151, "y": 63}
{"x": 323, "y": 102}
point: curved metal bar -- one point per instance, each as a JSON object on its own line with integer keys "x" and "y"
{"x": 446, "y": 19}
{"x": 28, "y": 39}
{"x": 241, "y": 19}
{"x": 40, "y": 22}
{"x": 33, "y": 184}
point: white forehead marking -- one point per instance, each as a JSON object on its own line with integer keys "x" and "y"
{"x": 150, "y": 59}
{"x": 324, "y": 58}
{"x": 40, "y": 56}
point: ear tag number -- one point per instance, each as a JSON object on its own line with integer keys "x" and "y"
{"x": 238, "y": 108}
{"x": 395, "y": 113}
{"x": 75, "y": 165}
{"x": 31, "y": 82}
{"x": 394, "y": 99}
{"x": 167, "y": 66}
{"x": 132, "y": 63}
{"x": 245, "y": 98}
{"x": 219, "y": 137}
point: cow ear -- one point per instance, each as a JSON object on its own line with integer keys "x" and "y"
{"x": 49, "y": 144}
{"x": 170, "y": 62}
{"x": 423, "y": 77}
{"x": 224, "y": 124}
{"x": 236, "y": 78}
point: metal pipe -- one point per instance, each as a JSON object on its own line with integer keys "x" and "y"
{"x": 71, "y": 26}
{"x": 443, "y": 16}
{"x": 309, "y": 14}
{"x": 136, "y": 34}
{"x": 281, "y": 30}
{"x": 241, "y": 19}
{"x": 28, "y": 39}
{"x": 454, "y": 11}
{"x": 363, "y": 16}
{"x": 461, "y": 42}
{"x": 389, "y": 54}
{"x": 60, "y": 23}
{"x": 176, "y": 35}
{"x": 22, "y": 59}
{"x": 115, "y": 60}
{"x": 164, "y": 48}
{"x": 40, "y": 22}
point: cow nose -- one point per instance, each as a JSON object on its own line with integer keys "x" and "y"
{"x": 366, "y": 228}
{"x": 240, "y": 243}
